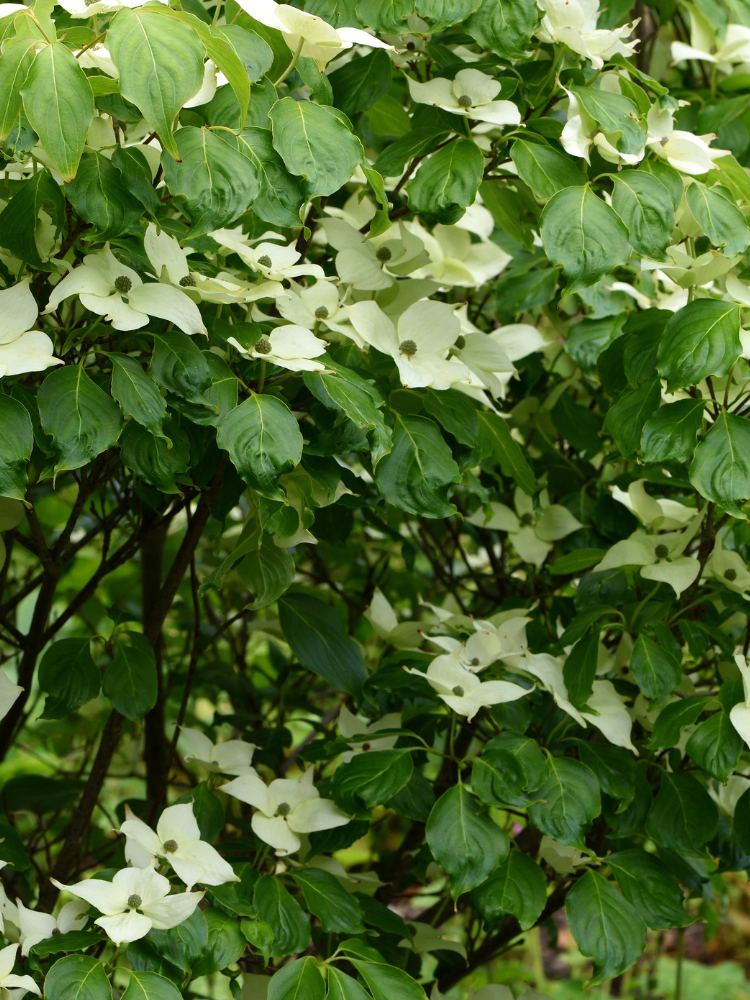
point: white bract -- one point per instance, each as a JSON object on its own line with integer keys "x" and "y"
{"x": 312, "y": 305}
{"x": 288, "y": 346}
{"x": 134, "y": 902}
{"x": 285, "y": 809}
{"x": 490, "y": 356}
{"x": 177, "y": 839}
{"x": 82, "y": 8}
{"x": 276, "y": 262}
{"x": 229, "y": 757}
{"x": 372, "y": 263}
{"x": 739, "y": 714}
{"x": 690, "y": 154}
{"x": 307, "y": 35}
{"x": 35, "y": 926}
{"x": 9, "y": 693}
{"x": 12, "y": 986}
{"x": 728, "y": 567}
{"x": 531, "y": 531}
{"x": 418, "y": 342}
{"x": 491, "y": 641}
{"x": 660, "y": 557}
{"x": 460, "y": 688}
{"x": 654, "y": 513}
{"x": 581, "y": 133}
{"x": 115, "y": 291}
{"x": 573, "y": 23}
{"x": 22, "y": 349}
{"x": 471, "y": 94}
{"x": 733, "y": 50}
{"x": 457, "y": 261}
{"x": 351, "y": 726}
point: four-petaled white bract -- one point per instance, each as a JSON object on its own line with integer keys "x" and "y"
{"x": 12, "y": 985}
{"x": 22, "y": 349}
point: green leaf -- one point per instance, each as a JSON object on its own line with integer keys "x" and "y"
{"x": 59, "y": 104}
{"x": 280, "y": 910}
{"x": 225, "y": 944}
{"x": 627, "y": 417}
{"x": 509, "y": 768}
{"x": 616, "y": 115}
{"x": 158, "y": 461}
{"x": 386, "y": 982}
{"x": 81, "y": 418}
{"x": 649, "y": 888}
{"x": 419, "y": 469}
{"x": 605, "y": 925}
{"x": 567, "y": 801}
{"x": 130, "y": 677}
{"x": 298, "y": 980}
{"x": 341, "y": 389}
{"x": 545, "y": 169}
{"x": 68, "y": 676}
{"x": 447, "y": 182}
{"x": 583, "y": 234}
{"x": 496, "y": 443}
{"x": 179, "y": 366}
{"x": 280, "y": 197}
{"x": 16, "y": 445}
{"x": 210, "y": 172}
{"x": 715, "y": 745}
{"x": 99, "y": 197}
{"x": 160, "y": 62}
{"x": 670, "y": 434}
{"x": 315, "y": 633}
{"x": 263, "y": 440}
{"x": 642, "y": 202}
{"x": 137, "y": 393}
{"x": 77, "y": 977}
{"x": 343, "y": 987}
{"x": 673, "y": 719}
{"x": 702, "y": 339}
{"x": 683, "y": 816}
{"x": 517, "y": 887}
{"x": 60, "y": 944}
{"x": 315, "y": 143}
{"x": 721, "y": 466}
{"x": 655, "y": 667}
{"x": 150, "y": 986}
{"x": 579, "y": 669}
{"x": 504, "y": 27}
{"x": 361, "y": 82}
{"x": 18, "y": 55}
{"x": 337, "y": 910}
{"x": 373, "y": 777}
{"x": 464, "y": 840}
{"x": 19, "y": 218}
{"x": 718, "y": 218}
{"x": 267, "y": 573}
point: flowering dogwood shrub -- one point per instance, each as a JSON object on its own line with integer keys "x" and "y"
{"x": 374, "y": 485}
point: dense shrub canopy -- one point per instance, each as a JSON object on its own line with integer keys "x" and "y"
{"x": 374, "y": 477}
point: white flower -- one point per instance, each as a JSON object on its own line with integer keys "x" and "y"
{"x": 733, "y": 50}
{"x": 739, "y": 715}
{"x": 351, "y": 725}
{"x": 688, "y": 153}
{"x": 177, "y": 839}
{"x": 82, "y": 8}
{"x": 285, "y": 809}
{"x": 530, "y": 532}
{"x": 455, "y": 260}
{"x": 471, "y": 94}
{"x": 490, "y": 356}
{"x": 229, "y": 757}
{"x": 312, "y": 305}
{"x": 275, "y": 262}
{"x": 573, "y": 22}
{"x": 136, "y": 900}
{"x": 384, "y": 620}
{"x": 288, "y": 346}
{"x": 113, "y": 290}
{"x": 581, "y": 133}
{"x": 660, "y": 557}
{"x": 21, "y": 348}
{"x": 730, "y": 568}
{"x": 12, "y": 986}
{"x": 9, "y": 693}
{"x": 307, "y": 35}
{"x": 491, "y": 641}
{"x": 461, "y": 689}
{"x": 689, "y": 271}
{"x": 419, "y": 341}
{"x": 656, "y": 514}
{"x": 35, "y": 926}
{"x": 371, "y": 263}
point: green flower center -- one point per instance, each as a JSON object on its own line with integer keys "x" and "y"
{"x": 263, "y": 346}
{"x": 170, "y": 846}
{"x": 460, "y": 343}
{"x": 458, "y": 691}
{"x": 134, "y": 901}
{"x": 465, "y": 101}
{"x": 526, "y": 519}
{"x": 731, "y": 575}
{"x": 321, "y": 312}
{"x": 283, "y": 809}
{"x": 188, "y": 281}
{"x": 409, "y": 348}
{"x": 384, "y": 254}
{"x": 123, "y": 283}
{"x": 265, "y": 261}
{"x": 474, "y": 661}
{"x": 661, "y": 551}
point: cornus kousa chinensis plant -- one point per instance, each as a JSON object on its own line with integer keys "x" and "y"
{"x": 374, "y": 495}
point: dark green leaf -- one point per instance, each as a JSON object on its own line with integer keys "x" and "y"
{"x": 701, "y": 339}
{"x": 447, "y": 182}
{"x": 605, "y": 925}
{"x": 315, "y": 633}
{"x": 464, "y": 840}
{"x": 518, "y": 887}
